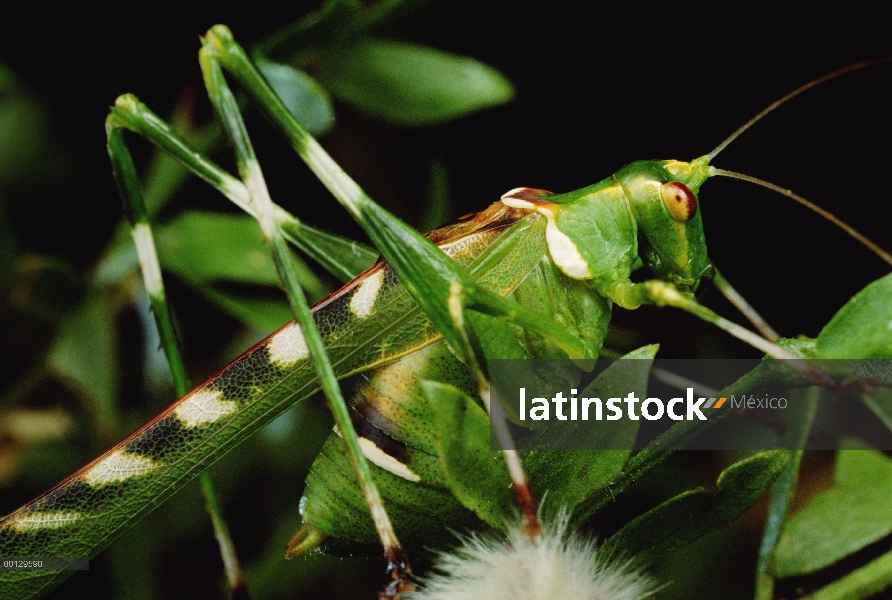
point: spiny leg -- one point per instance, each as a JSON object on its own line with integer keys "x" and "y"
{"x": 129, "y": 188}
{"x": 410, "y": 254}
{"x": 662, "y": 293}
{"x": 227, "y": 108}
{"x": 437, "y": 283}
{"x": 342, "y": 257}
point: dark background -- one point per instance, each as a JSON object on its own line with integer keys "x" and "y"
{"x": 597, "y": 87}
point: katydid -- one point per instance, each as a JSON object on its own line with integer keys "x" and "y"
{"x": 538, "y": 274}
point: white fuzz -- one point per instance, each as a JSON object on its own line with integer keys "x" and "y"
{"x": 557, "y": 566}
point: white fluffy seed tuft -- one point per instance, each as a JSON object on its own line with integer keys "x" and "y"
{"x": 557, "y": 566}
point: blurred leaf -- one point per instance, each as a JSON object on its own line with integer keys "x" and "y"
{"x": 23, "y": 131}
{"x": 438, "y": 205}
{"x": 25, "y": 427}
{"x": 863, "y": 327}
{"x": 844, "y": 519}
{"x": 8, "y": 81}
{"x": 317, "y": 28}
{"x": 302, "y": 95}
{"x": 410, "y": 84}
{"x": 45, "y": 287}
{"x": 205, "y": 246}
{"x": 695, "y": 513}
{"x": 342, "y": 257}
{"x": 257, "y": 313}
{"x": 35, "y": 425}
{"x": 477, "y": 475}
{"x": 84, "y": 355}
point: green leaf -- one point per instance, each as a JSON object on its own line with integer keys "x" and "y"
{"x": 203, "y": 246}
{"x": 342, "y": 257}
{"x": 477, "y": 475}
{"x": 84, "y": 356}
{"x": 261, "y": 314}
{"x": 844, "y": 519}
{"x": 695, "y": 513}
{"x": 410, "y": 84}
{"x": 863, "y": 327}
{"x": 303, "y": 96}
{"x": 571, "y": 477}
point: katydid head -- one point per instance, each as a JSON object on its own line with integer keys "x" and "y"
{"x": 648, "y": 210}
{"x": 663, "y": 198}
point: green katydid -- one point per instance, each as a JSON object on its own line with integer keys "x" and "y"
{"x": 581, "y": 247}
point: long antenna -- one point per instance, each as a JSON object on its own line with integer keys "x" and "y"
{"x": 867, "y": 242}
{"x": 855, "y": 67}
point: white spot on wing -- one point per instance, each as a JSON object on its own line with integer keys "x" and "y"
{"x": 288, "y": 346}
{"x": 363, "y": 299}
{"x": 386, "y": 461}
{"x": 44, "y": 520}
{"x": 118, "y": 466}
{"x": 148, "y": 259}
{"x": 565, "y": 253}
{"x": 203, "y": 407}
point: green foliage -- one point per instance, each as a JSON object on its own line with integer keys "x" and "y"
{"x": 837, "y": 522}
{"x": 863, "y": 327}
{"x": 695, "y": 513}
{"x": 304, "y": 97}
{"x": 411, "y": 84}
{"x": 477, "y": 475}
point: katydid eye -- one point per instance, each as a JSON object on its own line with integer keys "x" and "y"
{"x": 680, "y": 201}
